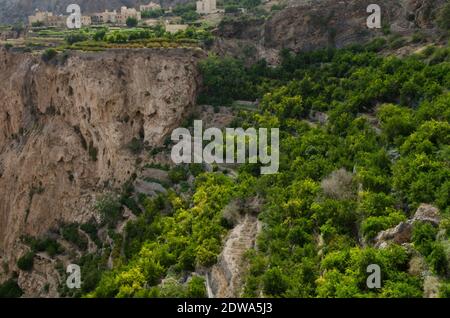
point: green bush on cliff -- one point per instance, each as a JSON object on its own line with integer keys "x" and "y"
{"x": 26, "y": 262}
{"x": 443, "y": 19}
{"x": 10, "y": 289}
{"x": 49, "y": 54}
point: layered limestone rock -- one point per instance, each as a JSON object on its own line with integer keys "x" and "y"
{"x": 65, "y": 127}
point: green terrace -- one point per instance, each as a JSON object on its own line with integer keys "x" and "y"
{"x": 101, "y": 38}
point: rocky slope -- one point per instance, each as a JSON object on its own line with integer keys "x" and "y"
{"x": 310, "y": 25}
{"x": 224, "y": 280}
{"x": 65, "y": 127}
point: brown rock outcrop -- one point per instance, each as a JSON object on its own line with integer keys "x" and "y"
{"x": 427, "y": 213}
{"x": 401, "y": 233}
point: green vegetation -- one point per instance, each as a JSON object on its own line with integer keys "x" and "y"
{"x": 388, "y": 122}
{"x": 25, "y": 262}
{"x": 110, "y": 210}
{"x": 37, "y": 24}
{"x": 181, "y": 8}
{"x": 71, "y": 234}
{"x": 48, "y": 245}
{"x": 132, "y": 22}
{"x": 225, "y": 80}
{"x": 92, "y": 266}
{"x": 189, "y": 16}
{"x": 152, "y": 14}
{"x": 443, "y": 19}
{"x": 382, "y": 151}
{"x": 178, "y": 174}
{"x": 133, "y": 36}
{"x": 49, "y": 54}
{"x": 10, "y": 289}
{"x": 170, "y": 240}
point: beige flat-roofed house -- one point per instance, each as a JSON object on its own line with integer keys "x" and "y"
{"x": 46, "y": 18}
{"x": 149, "y": 7}
{"x": 126, "y": 13}
{"x": 104, "y": 17}
{"x": 86, "y": 20}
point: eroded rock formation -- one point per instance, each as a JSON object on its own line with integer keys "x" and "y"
{"x": 65, "y": 127}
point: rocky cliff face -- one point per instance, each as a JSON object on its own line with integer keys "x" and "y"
{"x": 65, "y": 126}
{"x": 309, "y": 25}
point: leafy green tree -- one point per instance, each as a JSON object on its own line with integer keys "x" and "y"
{"x": 131, "y": 22}
{"x": 196, "y": 288}
{"x": 443, "y": 19}
{"x": 438, "y": 259}
{"x": 224, "y": 80}
{"x": 10, "y": 289}
{"x": 49, "y": 54}
{"x": 275, "y": 283}
{"x": 423, "y": 237}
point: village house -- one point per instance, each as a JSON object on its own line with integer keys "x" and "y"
{"x": 126, "y": 13}
{"x": 115, "y": 17}
{"x": 104, "y": 17}
{"x": 206, "y": 7}
{"x": 149, "y": 7}
{"x": 46, "y": 18}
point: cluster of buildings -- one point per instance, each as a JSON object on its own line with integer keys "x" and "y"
{"x": 48, "y": 19}
{"x": 115, "y": 17}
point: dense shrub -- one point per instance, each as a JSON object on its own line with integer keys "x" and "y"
{"x": 131, "y": 22}
{"x": 443, "y": 19}
{"x": 49, "y": 54}
{"x": 10, "y": 289}
{"x": 70, "y": 233}
{"x": 26, "y": 262}
{"x": 110, "y": 210}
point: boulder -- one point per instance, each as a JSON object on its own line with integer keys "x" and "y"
{"x": 427, "y": 213}
{"x": 400, "y": 234}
